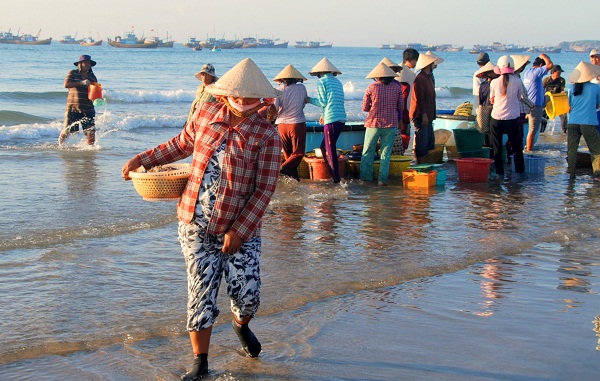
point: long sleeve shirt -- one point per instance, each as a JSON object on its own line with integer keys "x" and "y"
{"x": 290, "y": 104}
{"x": 423, "y": 97}
{"x": 383, "y": 103}
{"x": 249, "y": 173}
{"x": 330, "y": 96}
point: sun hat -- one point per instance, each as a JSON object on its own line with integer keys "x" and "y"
{"x": 244, "y": 80}
{"x": 391, "y": 64}
{"x": 483, "y": 58}
{"x": 324, "y": 66}
{"x": 584, "y": 72}
{"x": 594, "y": 52}
{"x": 381, "y": 71}
{"x": 208, "y": 69}
{"x": 485, "y": 68}
{"x": 438, "y": 59}
{"x": 520, "y": 60}
{"x": 556, "y": 68}
{"x": 85, "y": 57}
{"x": 505, "y": 65}
{"x": 424, "y": 61}
{"x": 407, "y": 75}
{"x": 289, "y": 72}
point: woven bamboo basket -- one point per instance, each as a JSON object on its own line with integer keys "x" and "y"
{"x": 165, "y": 185}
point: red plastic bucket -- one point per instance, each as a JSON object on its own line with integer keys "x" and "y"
{"x": 94, "y": 91}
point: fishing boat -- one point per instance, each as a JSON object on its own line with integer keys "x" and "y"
{"x": 544, "y": 49}
{"x": 89, "y": 41}
{"x": 385, "y": 46}
{"x": 28, "y": 39}
{"x": 159, "y": 43}
{"x": 249, "y": 43}
{"x": 9, "y": 38}
{"x": 498, "y": 47}
{"x": 192, "y": 43}
{"x": 280, "y": 45}
{"x": 68, "y": 40}
{"x": 131, "y": 41}
{"x": 311, "y": 45}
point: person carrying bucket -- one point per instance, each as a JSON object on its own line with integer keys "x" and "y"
{"x": 80, "y": 111}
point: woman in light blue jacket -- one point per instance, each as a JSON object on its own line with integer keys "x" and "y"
{"x": 584, "y": 98}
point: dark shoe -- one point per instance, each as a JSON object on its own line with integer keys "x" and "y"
{"x": 250, "y": 343}
{"x": 199, "y": 369}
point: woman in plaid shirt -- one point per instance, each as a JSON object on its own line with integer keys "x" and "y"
{"x": 236, "y": 156}
{"x": 383, "y": 101}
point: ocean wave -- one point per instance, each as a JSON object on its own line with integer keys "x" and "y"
{"x": 453, "y": 92}
{"x": 11, "y": 118}
{"x": 149, "y": 96}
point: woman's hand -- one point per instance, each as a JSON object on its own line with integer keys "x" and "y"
{"x": 131, "y": 165}
{"x": 232, "y": 243}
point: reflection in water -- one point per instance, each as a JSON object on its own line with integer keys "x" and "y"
{"x": 597, "y": 330}
{"x": 496, "y": 273}
{"x": 81, "y": 172}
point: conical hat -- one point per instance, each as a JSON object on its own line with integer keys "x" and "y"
{"x": 244, "y": 80}
{"x": 520, "y": 60}
{"x": 289, "y": 72}
{"x": 391, "y": 64}
{"x": 381, "y": 70}
{"x": 407, "y": 75}
{"x": 487, "y": 67}
{"x": 438, "y": 59}
{"x": 324, "y": 66}
{"x": 584, "y": 72}
{"x": 424, "y": 61}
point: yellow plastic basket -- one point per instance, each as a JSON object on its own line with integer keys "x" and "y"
{"x": 166, "y": 184}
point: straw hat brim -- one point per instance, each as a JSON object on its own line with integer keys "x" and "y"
{"x": 244, "y": 80}
{"x": 485, "y": 68}
{"x": 424, "y": 61}
{"x": 520, "y": 60}
{"x": 584, "y": 72}
{"x": 324, "y": 66}
{"x": 391, "y": 64}
{"x": 289, "y": 72}
{"x": 381, "y": 71}
{"x": 407, "y": 75}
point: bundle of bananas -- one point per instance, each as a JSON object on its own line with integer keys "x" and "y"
{"x": 464, "y": 109}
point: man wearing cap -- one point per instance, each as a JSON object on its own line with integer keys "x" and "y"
{"x": 206, "y": 75}
{"x": 236, "y": 156}
{"x": 80, "y": 111}
{"x": 555, "y": 84}
{"x": 595, "y": 60}
{"x": 482, "y": 59}
{"x": 532, "y": 79}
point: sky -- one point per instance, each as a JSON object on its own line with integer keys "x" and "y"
{"x": 360, "y": 23}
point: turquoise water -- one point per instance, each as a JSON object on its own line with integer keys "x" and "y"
{"x": 461, "y": 282}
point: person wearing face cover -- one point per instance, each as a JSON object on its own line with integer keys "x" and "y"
{"x": 80, "y": 111}
{"x": 236, "y": 158}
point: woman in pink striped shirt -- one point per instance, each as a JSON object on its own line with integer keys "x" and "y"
{"x": 383, "y": 101}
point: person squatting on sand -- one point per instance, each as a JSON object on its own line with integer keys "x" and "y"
{"x": 236, "y": 158}
{"x": 383, "y": 103}
{"x": 330, "y": 97}
{"x": 584, "y": 99}
{"x": 291, "y": 121}
{"x": 80, "y": 111}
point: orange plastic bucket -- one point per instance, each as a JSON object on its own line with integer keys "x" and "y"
{"x": 94, "y": 91}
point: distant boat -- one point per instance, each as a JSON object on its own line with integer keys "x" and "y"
{"x": 9, "y": 38}
{"x": 197, "y": 48}
{"x": 192, "y": 43}
{"x": 385, "y": 46}
{"x": 544, "y": 49}
{"x": 507, "y": 48}
{"x": 28, "y": 39}
{"x": 280, "y": 45}
{"x": 166, "y": 43}
{"x": 271, "y": 43}
{"x": 131, "y": 41}
{"x": 89, "y": 41}
{"x": 311, "y": 45}
{"x": 70, "y": 40}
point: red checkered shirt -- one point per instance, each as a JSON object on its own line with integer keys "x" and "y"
{"x": 384, "y": 103}
{"x": 248, "y": 175}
